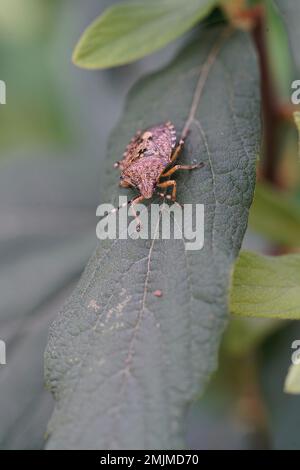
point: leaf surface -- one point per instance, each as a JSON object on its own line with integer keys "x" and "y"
{"x": 122, "y": 363}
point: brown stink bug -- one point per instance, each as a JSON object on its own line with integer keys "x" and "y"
{"x": 146, "y": 161}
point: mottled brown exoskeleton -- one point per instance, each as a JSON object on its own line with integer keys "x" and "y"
{"x": 148, "y": 158}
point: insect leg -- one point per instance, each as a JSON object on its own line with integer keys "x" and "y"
{"x": 168, "y": 197}
{"x": 177, "y": 151}
{"x": 166, "y": 184}
{"x": 164, "y": 195}
{"x": 182, "y": 167}
{"x": 134, "y": 201}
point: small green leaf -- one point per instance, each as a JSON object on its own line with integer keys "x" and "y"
{"x": 292, "y": 381}
{"x": 130, "y": 30}
{"x": 282, "y": 224}
{"x": 266, "y": 286}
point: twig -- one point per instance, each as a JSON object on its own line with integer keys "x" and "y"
{"x": 272, "y": 115}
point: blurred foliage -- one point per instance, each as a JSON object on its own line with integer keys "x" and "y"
{"x": 266, "y": 286}
{"x": 276, "y": 215}
{"x": 245, "y": 335}
{"x": 36, "y": 111}
{"x": 282, "y": 409}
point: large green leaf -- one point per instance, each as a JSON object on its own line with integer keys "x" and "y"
{"x": 122, "y": 363}
{"x": 266, "y": 286}
{"x": 131, "y": 30}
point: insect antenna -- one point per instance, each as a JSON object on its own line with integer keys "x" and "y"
{"x": 116, "y": 209}
{"x": 129, "y": 203}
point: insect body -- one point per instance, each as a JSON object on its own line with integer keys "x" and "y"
{"x": 146, "y": 161}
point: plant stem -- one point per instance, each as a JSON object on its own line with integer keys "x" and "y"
{"x": 270, "y": 105}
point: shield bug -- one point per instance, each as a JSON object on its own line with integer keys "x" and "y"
{"x": 149, "y": 157}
